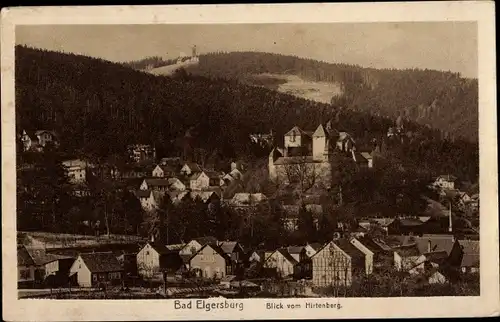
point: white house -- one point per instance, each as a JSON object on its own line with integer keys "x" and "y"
{"x": 38, "y": 140}
{"x": 152, "y": 259}
{"x": 196, "y": 244}
{"x": 336, "y": 264}
{"x": 199, "y": 181}
{"x": 445, "y": 182}
{"x": 147, "y": 199}
{"x": 76, "y": 170}
{"x": 282, "y": 261}
{"x": 91, "y": 269}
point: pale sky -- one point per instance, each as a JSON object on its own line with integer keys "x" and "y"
{"x": 433, "y": 45}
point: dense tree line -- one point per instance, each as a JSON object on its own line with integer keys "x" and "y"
{"x": 443, "y": 100}
{"x": 149, "y": 62}
{"x": 99, "y": 107}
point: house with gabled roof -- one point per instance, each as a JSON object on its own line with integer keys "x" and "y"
{"x": 148, "y": 199}
{"x": 25, "y": 267}
{"x": 233, "y": 250}
{"x": 155, "y": 258}
{"x": 50, "y": 267}
{"x": 76, "y": 170}
{"x": 164, "y": 170}
{"x": 199, "y": 181}
{"x": 190, "y": 168}
{"x": 211, "y": 262}
{"x": 193, "y": 246}
{"x": 37, "y": 140}
{"x": 215, "y": 178}
{"x": 445, "y": 181}
{"x": 336, "y": 263}
{"x": 282, "y": 262}
{"x": 94, "y": 269}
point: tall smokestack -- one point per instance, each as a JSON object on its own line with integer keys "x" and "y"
{"x": 450, "y": 227}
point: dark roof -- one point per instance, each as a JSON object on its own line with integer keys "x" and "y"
{"x": 23, "y": 257}
{"x": 195, "y": 175}
{"x": 437, "y": 243}
{"x": 287, "y": 255}
{"x": 193, "y": 166}
{"x": 436, "y": 257}
{"x": 206, "y": 240}
{"x": 295, "y": 131}
{"x": 142, "y": 193}
{"x": 213, "y": 174}
{"x": 101, "y": 262}
{"x": 350, "y": 249}
{"x": 471, "y": 253}
{"x": 167, "y": 168}
{"x": 41, "y": 257}
{"x": 39, "y": 132}
{"x": 157, "y": 182}
{"x": 228, "y": 246}
{"x": 316, "y": 246}
{"x": 295, "y": 249}
{"x": 370, "y": 244}
{"x": 408, "y": 250}
{"x": 216, "y": 248}
{"x": 160, "y": 249}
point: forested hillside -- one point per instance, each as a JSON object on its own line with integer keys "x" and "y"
{"x": 99, "y": 107}
{"x": 442, "y": 100}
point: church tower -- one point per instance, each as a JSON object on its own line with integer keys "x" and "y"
{"x": 319, "y": 144}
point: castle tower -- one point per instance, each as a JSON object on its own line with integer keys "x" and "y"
{"x": 319, "y": 143}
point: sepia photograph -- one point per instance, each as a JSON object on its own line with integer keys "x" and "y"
{"x": 209, "y": 164}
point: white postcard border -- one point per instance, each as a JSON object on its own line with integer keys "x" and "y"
{"x": 75, "y": 310}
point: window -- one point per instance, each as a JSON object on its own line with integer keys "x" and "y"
{"x": 293, "y": 137}
{"x": 94, "y": 278}
{"x": 147, "y": 253}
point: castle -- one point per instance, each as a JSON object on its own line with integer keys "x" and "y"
{"x": 306, "y": 156}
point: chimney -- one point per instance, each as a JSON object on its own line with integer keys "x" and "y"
{"x": 152, "y": 238}
{"x": 429, "y": 246}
